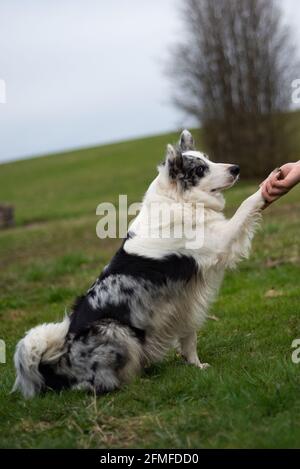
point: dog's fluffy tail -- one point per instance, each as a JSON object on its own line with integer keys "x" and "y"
{"x": 42, "y": 344}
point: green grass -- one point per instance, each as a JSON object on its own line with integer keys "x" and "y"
{"x": 250, "y": 395}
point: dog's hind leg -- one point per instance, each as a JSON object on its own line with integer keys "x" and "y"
{"x": 102, "y": 358}
{"x": 189, "y": 352}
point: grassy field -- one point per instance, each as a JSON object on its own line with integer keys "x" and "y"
{"x": 250, "y": 395}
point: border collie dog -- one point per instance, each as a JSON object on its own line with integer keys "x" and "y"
{"x": 155, "y": 293}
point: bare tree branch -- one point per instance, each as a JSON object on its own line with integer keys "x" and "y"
{"x": 233, "y": 72}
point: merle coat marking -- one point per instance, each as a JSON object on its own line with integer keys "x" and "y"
{"x": 153, "y": 295}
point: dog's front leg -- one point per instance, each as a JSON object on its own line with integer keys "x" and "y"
{"x": 238, "y": 232}
{"x": 188, "y": 345}
{"x": 245, "y": 216}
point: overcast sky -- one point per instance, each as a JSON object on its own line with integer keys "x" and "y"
{"x": 83, "y": 72}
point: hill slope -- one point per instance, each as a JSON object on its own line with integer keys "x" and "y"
{"x": 73, "y": 183}
{"x": 250, "y": 395}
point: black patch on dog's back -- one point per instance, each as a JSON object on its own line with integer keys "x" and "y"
{"x": 172, "y": 268}
{"x": 84, "y": 315}
{"x": 156, "y": 272}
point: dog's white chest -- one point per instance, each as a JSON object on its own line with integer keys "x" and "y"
{"x": 200, "y": 294}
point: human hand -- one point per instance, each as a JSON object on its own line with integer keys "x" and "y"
{"x": 280, "y": 181}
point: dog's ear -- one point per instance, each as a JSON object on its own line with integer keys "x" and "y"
{"x": 174, "y": 161}
{"x": 186, "y": 141}
{"x": 171, "y": 153}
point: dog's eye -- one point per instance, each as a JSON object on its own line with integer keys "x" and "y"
{"x": 200, "y": 171}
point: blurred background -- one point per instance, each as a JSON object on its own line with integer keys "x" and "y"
{"x": 80, "y": 73}
{"x": 83, "y": 73}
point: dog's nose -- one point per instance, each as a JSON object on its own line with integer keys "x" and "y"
{"x": 234, "y": 170}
